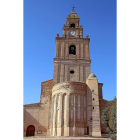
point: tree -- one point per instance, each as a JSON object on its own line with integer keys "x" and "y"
{"x": 109, "y": 118}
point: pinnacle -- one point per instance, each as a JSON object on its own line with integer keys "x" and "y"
{"x": 92, "y": 76}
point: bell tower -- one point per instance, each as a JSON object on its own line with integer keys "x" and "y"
{"x": 72, "y": 61}
{"x": 75, "y": 96}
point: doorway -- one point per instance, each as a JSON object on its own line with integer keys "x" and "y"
{"x": 30, "y": 130}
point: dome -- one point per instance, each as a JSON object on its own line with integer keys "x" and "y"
{"x": 72, "y": 15}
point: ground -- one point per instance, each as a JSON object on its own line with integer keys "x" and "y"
{"x": 63, "y": 138}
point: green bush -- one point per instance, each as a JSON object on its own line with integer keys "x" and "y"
{"x": 109, "y": 118}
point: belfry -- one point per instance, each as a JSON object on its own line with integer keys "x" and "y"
{"x": 71, "y": 103}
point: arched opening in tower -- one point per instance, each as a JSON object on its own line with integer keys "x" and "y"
{"x": 72, "y": 25}
{"x": 72, "y": 50}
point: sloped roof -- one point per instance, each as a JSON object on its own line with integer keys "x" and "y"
{"x": 32, "y": 105}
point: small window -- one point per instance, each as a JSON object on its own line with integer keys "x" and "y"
{"x": 93, "y": 107}
{"x": 72, "y": 71}
{"x": 72, "y": 25}
{"x": 93, "y": 98}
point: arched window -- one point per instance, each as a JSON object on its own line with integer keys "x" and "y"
{"x": 72, "y": 25}
{"x": 72, "y": 50}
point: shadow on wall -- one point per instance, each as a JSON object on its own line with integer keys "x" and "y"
{"x": 31, "y": 124}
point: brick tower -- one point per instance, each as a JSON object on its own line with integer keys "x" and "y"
{"x": 71, "y": 62}
{"x": 72, "y": 108}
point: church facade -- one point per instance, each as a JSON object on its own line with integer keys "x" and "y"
{"x": 71, "y": 103}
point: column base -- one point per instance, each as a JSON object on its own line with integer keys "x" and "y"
{"x": 59, "y": 131}
{"x": 66, "y": 131}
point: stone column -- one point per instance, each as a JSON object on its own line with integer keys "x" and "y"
{"x": 56, "y": 52}
{"x": 81, "y": 74}
{"x": 79, "y": 107}
{"x": 66, "y": 116}
{"x": 54, "y": 117}
{"x": 81, "y": 50}
{"x": 87, "y": 51}
{"x": 51, "y": 115}
{"x": 78, "y": 114}
{"x": 66, "y": 73}
{"x": 55, "y": 73}
{"x": 82, "y": 114}
{"x": 66, "y": 51}
{"x": 59, "y": 116}
{"x": 77, "y": 73}
{"x": 85, "y": 117}
{"x": 77, "y": 50}
{"x": 62, "y": 50}
{"x": 62, "y": 73}
{"x": 74, "y": 116}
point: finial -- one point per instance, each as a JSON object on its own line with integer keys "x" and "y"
{"x": 73, "y": 8}
{"x": 57, "y": 34}
{"x": 87, "y": 36}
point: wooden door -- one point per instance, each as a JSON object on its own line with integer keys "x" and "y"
{"x": 30, "y": 130}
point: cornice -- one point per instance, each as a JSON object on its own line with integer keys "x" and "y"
{"x": 72, "y": 38}
{"x": 72, "y": 60}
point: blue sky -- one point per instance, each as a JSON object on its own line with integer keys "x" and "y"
{"x": 43, "y": 19}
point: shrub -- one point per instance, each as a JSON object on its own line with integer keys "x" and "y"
{"x": 109, "y": 118}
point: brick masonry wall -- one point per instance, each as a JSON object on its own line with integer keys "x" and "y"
{"x": 62, "y": 70}
{"x": 81, "y": 44}
{"x": 63, "y": 62}
{"x": 103, "y": 105}
{"x": 100, "y": 90}
{"x": 34, "y": 113}
{"x": 38, "y": 114}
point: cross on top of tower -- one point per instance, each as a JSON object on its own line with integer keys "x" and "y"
{"x": 73, "y": 7}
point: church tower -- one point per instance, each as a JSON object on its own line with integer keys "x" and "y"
{"x": 71, "y": 103}
{"x": 71, "y": 62}
{"x": 75, "y": 96}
